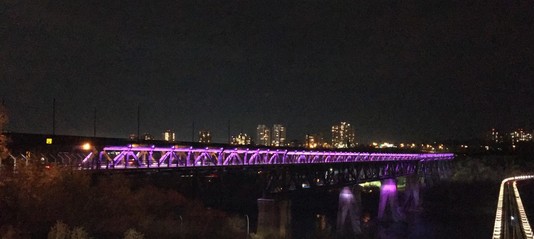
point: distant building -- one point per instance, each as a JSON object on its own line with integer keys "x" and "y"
{"x": 132, "y": 137}
{"x": 169, "y": 135}
{"x": 295, "y": 143}
{"x": 520, "y": 135}
{"x": 343, "y": 136}
{"x": 279, "y": 135}
{"x": 148, "y": 136}
{"x": 204, "y": 136}
{"x": 241, "y": 139}
{"x": 263, "y": 135}
{"x": 313, "y": 141}
{"x": 496, "y": 137}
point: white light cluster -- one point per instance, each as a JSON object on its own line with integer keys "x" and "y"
{"x": 522, "y": 215}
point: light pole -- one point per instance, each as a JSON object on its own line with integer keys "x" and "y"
{"x": 248, "y": 226}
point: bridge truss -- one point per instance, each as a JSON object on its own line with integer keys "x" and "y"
{"x": 156, "y": 157}
{"x": 283, "y": 170}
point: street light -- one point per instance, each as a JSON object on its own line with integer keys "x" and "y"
{"x": 86, "y": 146}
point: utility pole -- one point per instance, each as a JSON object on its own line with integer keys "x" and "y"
{"x": 229, "y": 132}
{"x": 54, "y": 117}
{"x": 193, "y": 132}
{"x": 138, "y": 123}
{"x": 94, "y": 123}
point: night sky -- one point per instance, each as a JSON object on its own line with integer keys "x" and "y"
{"x": 396, "y": 70}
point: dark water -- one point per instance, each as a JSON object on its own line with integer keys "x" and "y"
{"x": 449, "y": 210}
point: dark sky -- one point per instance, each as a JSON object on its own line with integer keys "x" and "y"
{"x": 396, "y": 70}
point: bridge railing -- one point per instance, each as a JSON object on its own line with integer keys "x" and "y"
{"x": 156, "y": 157}
{"x": 500, "y": 225}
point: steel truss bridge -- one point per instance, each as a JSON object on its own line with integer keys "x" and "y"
{"x": 286, "y": 170}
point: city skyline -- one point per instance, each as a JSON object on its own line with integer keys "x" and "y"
{"x": 266, "y": 119}
{"x": 421, "y": 71}
{"x": 222, "y": 135}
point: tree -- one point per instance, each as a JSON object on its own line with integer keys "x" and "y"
{"x": 78, "y": 233}
{"x": 59, "y": 231}
{"x": 133, "y": 234}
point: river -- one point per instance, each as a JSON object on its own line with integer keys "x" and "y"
{"x": 449, "y": 210}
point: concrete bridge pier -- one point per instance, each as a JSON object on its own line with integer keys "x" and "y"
{"x": 445, "y": 171}
{"x": 349, "y": 211}
{"x": 274, "y": 218}
{"x": 388, "y": 196}
{"x": 412, "y": 200}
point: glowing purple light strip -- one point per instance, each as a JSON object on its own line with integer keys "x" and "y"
{"x": 185, "y": 157}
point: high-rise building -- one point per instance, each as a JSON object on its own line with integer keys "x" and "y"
{"x": 204, "y": 136}
{"x": 496, "y": 137}
{"x": 263, "y": 135}
{"x": 241, "y": 139}
{"x": 169, "y": 135}
{"x": 343, "y": 136}
{"x": 279, "y": 135}
{"x": 148, "y": 136}
{"x": 520, "y": 135}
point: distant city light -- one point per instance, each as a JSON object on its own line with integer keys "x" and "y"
{"x": 279, "y": 135}
{"x": 169, "y": 135}
{"x": 241, "y": 139}
{"x": 343, "y": 136}
{"x": 204, "y": 136}
{"x": 314, "y": 141}
{"x": 386, "y": 145}
{"x": 86, "y": 146}
{"x": 263, "y": 135}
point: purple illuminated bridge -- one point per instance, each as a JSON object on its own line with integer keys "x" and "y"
{"x": 281, "y": 170}
{"x": 128, "y": 157}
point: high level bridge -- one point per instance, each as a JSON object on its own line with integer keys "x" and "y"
{"x": 279, "y": 170}
{"x": 287, "y": 169}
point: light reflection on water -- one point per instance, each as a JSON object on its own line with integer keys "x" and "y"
{"x": 314, "y": 215}
{"x": 455, "y": 214}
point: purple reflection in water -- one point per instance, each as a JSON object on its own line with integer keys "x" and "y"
{"x": 346, "y": 194}
{"x": 389, "y": 186}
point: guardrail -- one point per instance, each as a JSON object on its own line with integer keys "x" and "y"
{"x": 121, "y": 157}
{"x": 525, "y": 225}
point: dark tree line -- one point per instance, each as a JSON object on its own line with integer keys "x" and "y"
{"x": 34, "y": 199}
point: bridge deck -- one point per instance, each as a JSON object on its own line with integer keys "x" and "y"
{"x": 117, "y": 157}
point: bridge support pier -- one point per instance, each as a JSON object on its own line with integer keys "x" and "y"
{"x": 412, "y": 201}
{"x": 349, "y": 211}
{"x": 388, "y": 196}
{"x": 274, "y": 218}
